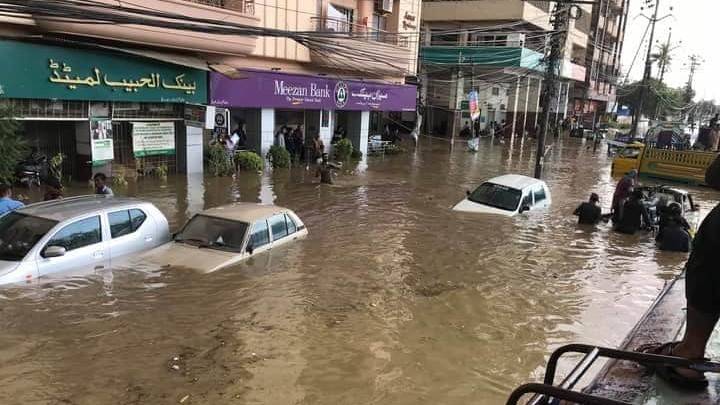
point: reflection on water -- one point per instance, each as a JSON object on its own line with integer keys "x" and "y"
{"x": 392, "y": 299}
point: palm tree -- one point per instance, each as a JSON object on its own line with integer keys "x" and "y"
{"x": 663, "y": 57}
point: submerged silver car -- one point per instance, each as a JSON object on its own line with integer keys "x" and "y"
{"x": 85, "y": 233}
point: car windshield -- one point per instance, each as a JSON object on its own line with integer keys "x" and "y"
{"x": 497, "y": 196}
{"x": 212, "y": 232}
{"x": 19, "y": 233}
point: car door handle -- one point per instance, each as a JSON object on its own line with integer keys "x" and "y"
{"x": 148, "y": 239}
{"x": 98, "y": 254}
{"x": 99, "y": 267}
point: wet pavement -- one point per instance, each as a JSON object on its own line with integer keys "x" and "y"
{"x": 392, "y": 299}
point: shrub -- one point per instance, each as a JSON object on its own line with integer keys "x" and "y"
{"x": 394, "y": 150}
{"x": 13, "y": 147}
{"x": 343, "y": 149}
{"x": 218, "y": 162}
{"x": 356, "y": 154}
{"x": 247, "y": 160}
{"x": 279, "y": 157}
{"x": 56, "y": 163}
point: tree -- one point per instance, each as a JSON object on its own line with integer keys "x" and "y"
{"x": 663, "y": 58}
{"x": 13, "y": 147}
{"x": 661, "y": 101}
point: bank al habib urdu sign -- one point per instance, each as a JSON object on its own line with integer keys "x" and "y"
{"x": 267, "y": 89}
{"x": 51, "y": 72}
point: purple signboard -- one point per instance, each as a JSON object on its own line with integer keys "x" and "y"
{"x": 279, "y": 90}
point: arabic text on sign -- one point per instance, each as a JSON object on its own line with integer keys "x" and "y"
{"x": 152, "y": 81}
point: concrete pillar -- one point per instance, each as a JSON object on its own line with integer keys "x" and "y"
{"x": 537, "y": 107}
{"x": 515, "y": 107}
{"x": 364, "y": 131}
{"x": 527, "y": 101}
{"x": 567, "y": 101}
{"x": 326, "y": 132}
{"x": 365, "y": 10}
{"x": 267, "y": 129}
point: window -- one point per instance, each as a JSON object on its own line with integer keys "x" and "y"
{"x": 495, "y": 195}
{"x": 539, "y": 194}
{"x": 213, "y": 232}
{"x": 495, "y": 91}
{"x": 19, "y": 233}
{"x": 137, "y": 217}
{"x": 260, "y": 236}
{"x": 278, "y": 226}
{"x": 120, "y": 224}
{"x": 338, "y": 19}
{"x": 527, "y": 201}
{"x": 125, "y": 222}
{"x": 82, "y": 233}
{"x": 292, "y": 228}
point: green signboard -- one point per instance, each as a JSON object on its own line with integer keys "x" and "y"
{"x": 53, "y": 72}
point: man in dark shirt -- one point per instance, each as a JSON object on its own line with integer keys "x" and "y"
{"x": 589, "y": 213}
{"x": 634, "y": 216}
{"x": 702, "y": 292}
{"x": 673, "y": 237}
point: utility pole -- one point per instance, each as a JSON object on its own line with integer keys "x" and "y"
{"x": 663, "y": 63}
{"x": 637, "y": 114}
{"x": 695, "y": 62}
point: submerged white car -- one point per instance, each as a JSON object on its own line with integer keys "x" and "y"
{"x": 506, "y": 195}
{"x": 79, "y": 234}
{"x": 220, "y": 237}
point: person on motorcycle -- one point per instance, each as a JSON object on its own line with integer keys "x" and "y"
{"x": 7, "y": 203}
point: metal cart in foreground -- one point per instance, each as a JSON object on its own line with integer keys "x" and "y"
{"x": 547, "y": 393}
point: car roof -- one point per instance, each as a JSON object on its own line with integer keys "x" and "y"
{"x": 71, "y": 207}
{"x": 245, "y": 212}
{"x": 516, "y": 181}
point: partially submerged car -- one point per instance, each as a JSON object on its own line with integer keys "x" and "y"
{"x": 85, "y": 233}
{"x": 655, "y": 197}
{"x": 220, "y": 237}
{"x": 506, "y": 195}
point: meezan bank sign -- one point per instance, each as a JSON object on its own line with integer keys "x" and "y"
{"x": 278, "y": 90}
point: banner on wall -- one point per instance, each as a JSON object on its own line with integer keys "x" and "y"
{"x": 101, "y": 140}
{"x": 153, "y": 138}
{"x": 474, "y": 105}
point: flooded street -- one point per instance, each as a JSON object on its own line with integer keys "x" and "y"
{"x": 392, "y": 299}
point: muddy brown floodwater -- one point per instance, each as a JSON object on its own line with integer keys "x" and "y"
{"x": 392, "y": 299}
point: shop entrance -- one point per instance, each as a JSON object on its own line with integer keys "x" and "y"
{"x": 52, "y": 137}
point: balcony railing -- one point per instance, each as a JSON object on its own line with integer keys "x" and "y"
{"x": 242, "y": 6}
{"x": 344, "y": 29}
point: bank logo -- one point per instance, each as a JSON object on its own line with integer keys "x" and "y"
{"x": 341, "y": 94}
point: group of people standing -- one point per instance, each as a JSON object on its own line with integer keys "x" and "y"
{"x": 629, "y": 215}
{"x": 301, "y": 147}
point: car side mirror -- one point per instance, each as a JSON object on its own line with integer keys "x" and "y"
{"x": 54, "y": 251}
{"x": 467, "y": 193}
{"x": 250, "y": 248}
{"x": 524, "y": 208}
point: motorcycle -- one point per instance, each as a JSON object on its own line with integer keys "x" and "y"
{"x": 32, "y": 170}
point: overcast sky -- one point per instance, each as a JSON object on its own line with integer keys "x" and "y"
{"x": 696, "y": 23}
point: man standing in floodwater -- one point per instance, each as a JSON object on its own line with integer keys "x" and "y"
{"x": 589, "y": 213}
{"x": 702, "y": 292}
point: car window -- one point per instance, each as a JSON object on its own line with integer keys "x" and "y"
{"x": 19, "y": 233}
{"x": 211, "y": 232}
{"x": 260, "y": 236}
{"x": 137, "y": 217}
{"x": 84, "y": 232}
{"x": 278, "y": 226}
{"x": 292, "y": 228}
{"x": 496, "y": 195}
{"x": 120, "y": 224}
{"x": 539, "y": 194}
{"x": 527, "y": 201}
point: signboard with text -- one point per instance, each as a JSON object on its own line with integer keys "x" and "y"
{"x": 101, "y": 140}
{"x": 278, "y": 90}
{"x": 65, "y": 73}
{"x": 153, "y": 138}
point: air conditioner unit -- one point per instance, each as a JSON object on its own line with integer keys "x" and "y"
{"x": 384, "y": 6}
{"x": 516, "y": 40}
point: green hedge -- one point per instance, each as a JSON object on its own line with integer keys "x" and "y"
{"x": 279, "y": 157}
{"x": 343, "y": 149}
{"x": 247, "y": 160}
